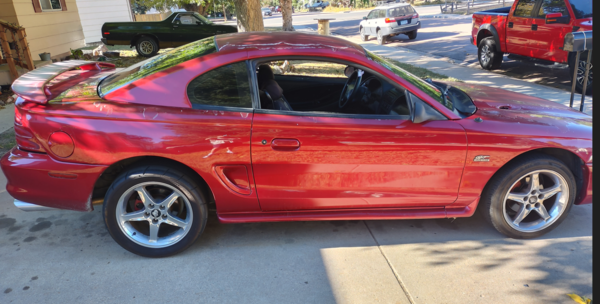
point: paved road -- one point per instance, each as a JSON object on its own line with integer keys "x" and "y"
{"x": 444, "y": 37}
{"x": 68, "y": 257}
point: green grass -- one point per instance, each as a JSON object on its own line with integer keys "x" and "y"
{"x": 7, "y": 141}
{"x": 421, "y": 72}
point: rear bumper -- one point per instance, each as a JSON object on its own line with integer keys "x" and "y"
{"x": 38, "y": 179}
{"x": 401, "y": 30}
{"x": 586, "y": 195}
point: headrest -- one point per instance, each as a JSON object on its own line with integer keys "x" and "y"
{"x": 264, "y": 73}
{"x": 270, "y": 86}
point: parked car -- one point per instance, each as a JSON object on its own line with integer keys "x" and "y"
{"x": 209, "y": 123}
{"x": 266, "y": 11}
{"x": 149, "y": 37}
{"x": 533, "y": 29}
{"x": 389, "y": 21}
{"x": 318, "y": 5}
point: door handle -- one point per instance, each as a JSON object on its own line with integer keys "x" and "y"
{"x": 175, "y": 25}
{"x": 285, "y": 144}
{"x": 534, "y": 27}
{"x": 510, "y": 25}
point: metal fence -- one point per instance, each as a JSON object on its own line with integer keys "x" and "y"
{"x": 471, "y": 6}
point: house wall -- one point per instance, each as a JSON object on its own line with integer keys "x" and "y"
{"x": 7, "y": 11}
{"x": 94, "y": 13}
{"x": 55, "y": 32}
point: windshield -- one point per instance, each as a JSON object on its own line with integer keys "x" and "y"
{"x": 204, "y": 19}
{"x": 581, "y": 8}
{"x": 400, "y": 11}
{"x": 156, "y": 64}
{"x": 427, "y": 88}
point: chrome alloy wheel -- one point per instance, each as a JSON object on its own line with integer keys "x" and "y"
{"x": 536, "y": 201}
{"x": 581, "y": 73}
{"x": 486, "y": 54}
{"x": 154, "y": 214}
{"x": 146, "y": 47}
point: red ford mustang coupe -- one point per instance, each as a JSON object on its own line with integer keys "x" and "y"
{"x": 287, "y": 127}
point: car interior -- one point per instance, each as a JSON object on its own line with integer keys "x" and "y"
{"x": 320, "y": 86}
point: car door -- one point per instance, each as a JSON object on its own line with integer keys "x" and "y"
{"x": 326, "y": 160}
{"x": 548, "y": 39}
{"x": 370, "y": 22}
{"x": 188, "y": 28}
{"x": 518, "y": 28}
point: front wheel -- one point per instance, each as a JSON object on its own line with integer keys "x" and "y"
{"x": 529, "y": 197}
{"x": 154, "y": 211}
{"x": 490, "y": 57}
{"x": 381, "y": 39}
{"x": 363, "y": 36}
{"x": 581, "y": 73}
{"x": 146, "y": 47}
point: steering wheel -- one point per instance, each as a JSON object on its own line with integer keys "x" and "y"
{"x": 350, "y": 88}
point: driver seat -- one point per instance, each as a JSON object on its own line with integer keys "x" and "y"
{"x": 271, "y": 94}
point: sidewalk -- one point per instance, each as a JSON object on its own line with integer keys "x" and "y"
{"x": 474, "y": 75}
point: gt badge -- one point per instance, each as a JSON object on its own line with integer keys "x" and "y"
{"x": 482, "y": 158}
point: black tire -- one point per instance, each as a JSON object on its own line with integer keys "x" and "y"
{"x": 381, "y": 39}
{"x": 492, "y": 206}
{"x": 581, "y": 73}
{"x": 146, "y": 46}
{"x": 179, "y": 179}
{"x": 493, "y": 58}
{"x": 363, "y": 37}
{"x": 412, "y": 35}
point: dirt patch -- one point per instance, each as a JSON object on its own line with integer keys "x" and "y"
{"x": 7, "y": 141}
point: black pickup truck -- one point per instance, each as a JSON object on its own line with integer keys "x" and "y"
{"x": 148, "y": 37}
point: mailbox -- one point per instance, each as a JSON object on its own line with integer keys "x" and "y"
{"x": 578, "y": 41}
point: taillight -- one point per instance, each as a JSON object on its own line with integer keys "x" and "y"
{"x": 23, "y": 135}
{"x": 416, "y": 15}
{"x": 106, "y": 33}
{"x": 390, "y": 20}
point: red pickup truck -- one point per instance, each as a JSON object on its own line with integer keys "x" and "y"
{"x": 534, "y": 29}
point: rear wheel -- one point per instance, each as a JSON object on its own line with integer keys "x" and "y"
{"x": 490, "y": 57}
{"x": 146, "y": 46}
{"x": 154, "y": 211}
{"x": 412, "y": 35}
{"x": 363, "y": 36}
{"x": 529, "y": 197}
{"x": 381, "y": 39}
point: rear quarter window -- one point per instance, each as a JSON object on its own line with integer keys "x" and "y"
{"x": 226, "y": 86}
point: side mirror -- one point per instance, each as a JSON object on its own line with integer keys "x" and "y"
{"x": 556, "y": 18}
{"x": 365, "y": 18}
{"x": 422, "y": 112}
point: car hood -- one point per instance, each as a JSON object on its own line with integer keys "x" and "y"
{"x": 506, "y": 106}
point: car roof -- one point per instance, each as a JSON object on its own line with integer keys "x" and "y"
{"x": 285, "y": 41}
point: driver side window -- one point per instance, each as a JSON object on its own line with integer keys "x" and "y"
{"x": 317, "y": 86}
{"x": 372, "y": 15}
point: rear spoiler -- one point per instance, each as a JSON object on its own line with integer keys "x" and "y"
{"x": 32, "y": 85}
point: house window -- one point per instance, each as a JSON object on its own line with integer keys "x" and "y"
{"x": 50, "y": 5}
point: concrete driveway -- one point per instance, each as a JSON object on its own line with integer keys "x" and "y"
{"x": 66, "y": 256}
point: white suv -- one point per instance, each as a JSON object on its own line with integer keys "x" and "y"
{"x": 388, "y": 21}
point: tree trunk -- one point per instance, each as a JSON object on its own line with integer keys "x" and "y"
{"x": 192, "y": 7}
{"x": 249, "y": 16}
{"x": 224, "y": 11}
{"x": 286, "y": 14}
